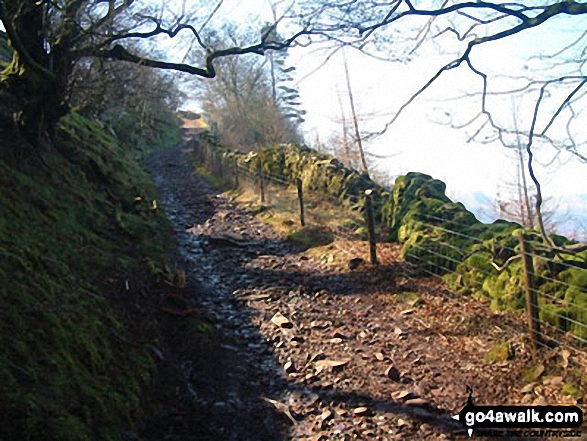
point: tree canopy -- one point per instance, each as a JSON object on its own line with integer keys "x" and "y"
{"x": 50, "y": 36}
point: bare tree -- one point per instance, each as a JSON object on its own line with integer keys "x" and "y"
{"x": 136, "y": 102}
{"x": 241, "y": 100}
{"x": 343, "y": 140}
{"x": 50, "y": 36}
{"x": 358, "y": 138}
{"x": 517, "y": 202}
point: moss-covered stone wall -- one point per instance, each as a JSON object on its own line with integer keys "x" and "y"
{"x": 442, "y": 237}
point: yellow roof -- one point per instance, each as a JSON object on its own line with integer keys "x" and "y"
{"x": 194, "y": 124}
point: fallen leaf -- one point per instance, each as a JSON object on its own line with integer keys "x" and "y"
{"x": 281, "y": 407}
{"x": 254, "y": 296}
{"x": 289, "y": 367}
{"x": 326, "y": 415}
{"x": 318, "y": 324}
{"x": 416, "y": 402}
{"x": 329, "y": 363}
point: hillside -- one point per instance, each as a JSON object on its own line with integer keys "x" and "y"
{"x": 82, "y": 260}
{"x": 265, "y": 335}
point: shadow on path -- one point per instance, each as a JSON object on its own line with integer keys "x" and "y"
{"x": 217, "y": 368}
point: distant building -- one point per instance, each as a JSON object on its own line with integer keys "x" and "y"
{"x": 192, "y": 125}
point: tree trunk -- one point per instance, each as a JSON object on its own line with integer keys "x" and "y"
{"x": 355, "y": 119}
{"x": 30, "y": 77}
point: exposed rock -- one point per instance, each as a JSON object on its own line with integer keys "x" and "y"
{"x": 392, "y": 373}
{"x": 281, "y": 321}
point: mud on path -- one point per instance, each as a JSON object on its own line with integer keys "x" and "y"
{"x": 304, "y": 347}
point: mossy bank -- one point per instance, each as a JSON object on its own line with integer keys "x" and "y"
{"x": 82, "y": 248}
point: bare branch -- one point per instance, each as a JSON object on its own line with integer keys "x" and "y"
{"x": 564, "y": 104}
{"x": 118, "y": 52}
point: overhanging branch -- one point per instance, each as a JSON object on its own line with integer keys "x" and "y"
{"x": 118, "y": 52}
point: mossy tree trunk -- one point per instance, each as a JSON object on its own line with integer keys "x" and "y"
{"x": 35, "y": 75}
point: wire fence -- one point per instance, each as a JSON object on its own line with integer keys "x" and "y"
{"x": 293, "y": 203}
{"x": 550, "y": 289}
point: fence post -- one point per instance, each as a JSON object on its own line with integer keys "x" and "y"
{"x": 301, "y": 199}
{"x": 221, "y": 166}
{"x": 236, "y": 183}
{"x": 262, "y": 181}
{"x": 531, "y": 293}
{"x": 209, "y": 162}
{"x": 370, "y": 227}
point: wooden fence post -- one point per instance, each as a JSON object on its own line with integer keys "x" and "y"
{"x": 531, "y": 293}
{"x": 221, "y": 165}
{"x": 209, "y": 161}
{"x": 262, "y": 181}
{"x": 301, "y": 199}
{"x": 236, "y": 182}
{"x": 370, "y": 227}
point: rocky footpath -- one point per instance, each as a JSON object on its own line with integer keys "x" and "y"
{"x": 307, "y": 348}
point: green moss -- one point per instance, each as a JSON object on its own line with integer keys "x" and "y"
{"x": 311, "y": 237}
{"x": 68, "y": 366}
{"x": 533, "y": 373}
{"x": 430, "y": 254}
{"x": 576, "y": 307}
{"x": 555, "y": 315}
{"x": 319, "y": 172}
{"x": 572, "y": 390}
{"x": 500, "y": 352}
